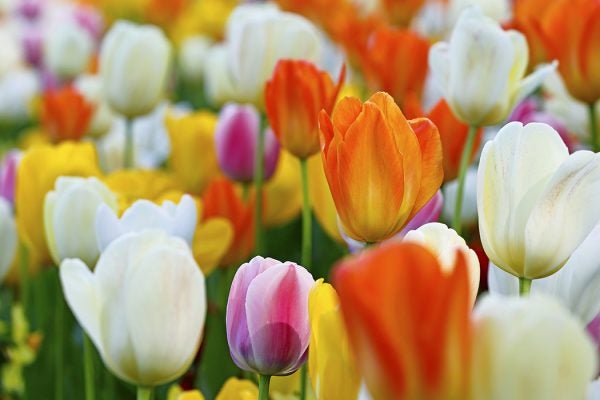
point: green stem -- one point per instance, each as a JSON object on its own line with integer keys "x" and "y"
{"x": 110, "y": 382}
{"x": 88, "y": 368}
{"x": 245, "y": 191}
{"x": 306, "y": 218}
{"x": 129, "y": 147}
{"x": 524, "y": 286}
{"x": 259, "y": 161}
{"x": 303, "y": 379}
{"x": 593, "y": 127}
{"x": 462, "y": 172}
{"x": 59, "y": 345}
{"x": 263, "y": 387}
{"x": 24, "y": 277}
{"x": 144, "y": 393}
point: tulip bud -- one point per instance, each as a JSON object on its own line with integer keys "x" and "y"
{"x": 173, "y": 219}
{"x": 444, "y": 242}
{"x": 143, "y": 306}
{"x": 529, "y": 348}
{"x": 90, "y": 86}
{"x": 18, "y": 89}
{"x": 67, "y": 50}
{"x": 8, "y": 238}
{"x": 10, "y": 53}
{"x": 192, "y": 57}
{"x": 69, "y": 215}
{"x": 238, "y": 389}
{"x": 267, "y": 316}
{"x": 134, "y": 65}
{"x": 236, "y": 137}
{"x": 217, "y": 82}
{"x": 8, "y": 175}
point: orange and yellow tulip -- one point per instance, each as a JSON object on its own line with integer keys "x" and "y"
{"x": 572, "y": 36}
{"x": 66, "y": 114}
{"x": 381, "y": 168}
{"x": 296, "y": 93}
{"x": 408, "y": 321}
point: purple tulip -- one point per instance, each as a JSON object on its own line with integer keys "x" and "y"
{"x": 8, "y": 174}
{"x": 32, "y": 46}
{"x": 236, "y": 137}
{"x": 267, "y": 316}
{"x": 30, "y": 10}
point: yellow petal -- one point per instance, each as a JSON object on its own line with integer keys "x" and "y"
{"x": 238, "y": 389}
{"x": 283, "y": 192}
{"x": 211, "y": 241}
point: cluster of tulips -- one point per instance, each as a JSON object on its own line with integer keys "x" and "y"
{"x": 305, "y": 199}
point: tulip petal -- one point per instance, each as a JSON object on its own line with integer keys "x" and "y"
{"x": 533, "y": 81}
{"x": 345, "y": 113}
{"x": 108, "y": 227}
{"x": 439, "y": 62}
{"x": 211, "y": 241}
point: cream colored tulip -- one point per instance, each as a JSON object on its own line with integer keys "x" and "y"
{"x": 481, "y": 69}
{"x": 535, "y": 201}
{"x": 68, "y": 50}
{"x": 192, "y": 57}
{"x": 90, "y": 86}
{"x": 529, "y": 348}
{"x": 218, "y": 85}
{"x": 143, "y": 307}
{"x": 134, "y": 65}
{"x": 70, "y": 215}
{"x": 444, "y": 242}
{"x": 8, "y": 237}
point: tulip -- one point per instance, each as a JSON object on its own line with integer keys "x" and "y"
{"x": 267, "y": 316}
{"x": 8, "y": 238}
{"x": 330, "y": 362}
{"x": 68, "y": 50}
{"x": 283, "y": 193}
{"x": 468, "y": 213}
{"x": 69, "y": 216}
{"x": 38, "y": 170}
{"x": 10, "y": 53}
{"x": 527, "y": 17}
{"x": 381, "y": 168}
{"x": 90, "y": 86}
{"x": 294, "y": 96}
{"x": 238, "y": 389}
{"x": 401, "y": 12}
{"x": 218, "y": 85}
{"x": 272, "y": 35}
{"x": 143, "y": 306}
{"x": 66, "y": 114}
{"x": 134, "y": 65}
{"x": 522, "y": 348}
{"x": 445, "y": 243}
{"x": 191, "y": 395}
{"x": 480, "y": 71}
{"x": 408, "y": 321}
{"x": 236, "y": 138}
{"x": 529, "y": 185}
{"x": 192, "y": 57}
{"x": 190, "y": 136}
{"x": 8, "y": 175}
{"x": 498, "y": 10}
{"x": 321, "y": 200}
{"x": 18, "y": 89}
{"x": 174, "y": 219}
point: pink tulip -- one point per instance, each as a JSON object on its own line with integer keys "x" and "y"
{"x": 8, "y": 174}
{"x": 267, "y": 316}
{"x": 236, "y": 137}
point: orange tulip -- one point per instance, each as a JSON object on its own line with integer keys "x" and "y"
{"x": 401, "y": 12}
{"x": 293, "y": 98}
{"x": 408, "y": 321}
{"x": 572, "y": 35}
{"x": 381, "y": 168}
{"x": 66, "y": 114}
{"x": 221, "y": 200}
{"x": 527, "y": 17}
{"x": 395, "y": 61}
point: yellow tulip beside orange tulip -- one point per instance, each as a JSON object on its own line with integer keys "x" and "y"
{"x": 381, "y": 168}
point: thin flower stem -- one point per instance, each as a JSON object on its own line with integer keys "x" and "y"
{"x": 59, "y": 347}
{"x": 258, "y": 190}
{"x": 524, "y": 286}
{"x": 306, "y": 218}
{"x": 144, "y": 393}
{"x": 593, "y": 127}
{"x": 303, "y": 379}
{"x": 263, "y": 387}
{"x": 129, "y": 147}
{"x": 88, "y": 366}
{"x": 462, "y": 171}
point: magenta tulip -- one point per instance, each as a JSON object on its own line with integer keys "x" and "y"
{"x": 8, "y": 174}
{"x": 267, "y": 316}
{"x": 236, "y": 137}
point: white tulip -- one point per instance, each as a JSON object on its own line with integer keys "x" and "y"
{"x": 469, "y": 205}
{"x": 134, "y": 65}
{"x": 8, "y": 238}
{"x": 173, "y": 219}
{"x": 18, "y": 89}
{"x": 67, "y": 50}
{"x": 69, "y": 217}
{"x": 529, "y": 348}
{"x": 259, "y": 35}
{"x": 90, "y": 86}
{"x": 444, "y": 242}
{"x": 218, "y": 85}
{"x": 143, "y": 307}
{"x": 11, "y": 52}
{"x": 535, "y": 201}
{"x": 498, "y": 10}
{"x": 192, "y": 57}
{"x": 481, "y": 69}
{"x": 576, "y": 285}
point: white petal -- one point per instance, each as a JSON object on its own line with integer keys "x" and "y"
{"x": 107, "y": 226}
{"x": 8, "y": 238}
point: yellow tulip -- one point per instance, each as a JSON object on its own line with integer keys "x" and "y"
{"x": 320, "y": 198}
{"x": 207, "y": 17}
{"x": 330, "y": 363}
{"x": 39, "y": 168}
{"x": 193, "y": 158}
{"x": 238, "y": 389}
{"x": 190, "y": 395}
{"x": 283, "y": 192}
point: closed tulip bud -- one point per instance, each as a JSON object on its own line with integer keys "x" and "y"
{"x": 69, "y": 216}
{"x": 66, "y": 114}
{"x": 67, "y": 50}
{"x": 18, "y": 89}
{"x": 8, "y": 175}
{"x": 236, "y": 137}
{"x": 481, "y": 69}
{"x": 218, "y": 85}
{"x": 529, "y": 348}
{"x": 90, "y": 86}
{"x": 381, "y": 168}
{"x": 444, "y": 242}
{"x": 529, "y": 185}
{"x": 134, "y": 65}
{"x": 143, "y": 306}
{"x": 267, "y": 316}
{"x": 8, "y": 238}
{"x": 174, "y": 219}
{"x": 192, "y": 57}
